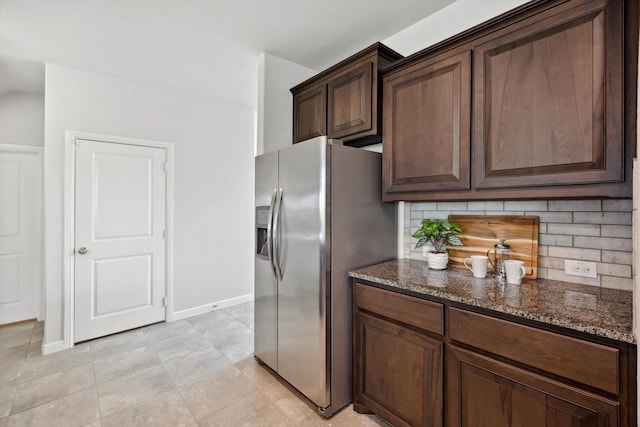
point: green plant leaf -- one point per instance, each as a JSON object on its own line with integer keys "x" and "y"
{"x": 438, "y": 233}
{"x": 455, "y": 241}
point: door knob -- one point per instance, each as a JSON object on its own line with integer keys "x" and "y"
{"x": 82, "y": 250}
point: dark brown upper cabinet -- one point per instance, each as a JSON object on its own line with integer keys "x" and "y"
{"x": 350, "y": 104}
{"x": 343, "y": 101}
{"x": 551, "y": 112}
{"x": 310, "y": 107}
{"x": 427, "y": 125}
{"x": 548, "y": 101}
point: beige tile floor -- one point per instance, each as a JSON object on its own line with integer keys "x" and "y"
{"x": 194, "y": 372}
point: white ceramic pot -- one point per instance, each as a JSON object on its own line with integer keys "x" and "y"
{"x": 437, "y": 261}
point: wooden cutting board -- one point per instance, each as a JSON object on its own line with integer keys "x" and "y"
{"x": 481, "y": 232}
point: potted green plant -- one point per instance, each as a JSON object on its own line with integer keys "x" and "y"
{"x": 438, "y": 233}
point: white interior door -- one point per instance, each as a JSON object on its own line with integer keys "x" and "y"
{"x": 120, "y": 249}
{"x": 20, "y": 234}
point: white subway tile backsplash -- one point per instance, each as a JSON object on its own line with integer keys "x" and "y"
{"x": 588, "y": 230}
{"x": 557, "y": 217}
{"x": 574, "y": 229}
{"x": 415, "y": 223}
{"x": 615, "y": 218}
{"x": 617, "y": 283}
{"x": 555, "y": 240}
{"x": 504, "y": 213}
{"x": 575, "y": 205}
{"x": 551, "y": 262}
{"x": 417, "y": 215}
{"x": 435, "y": 214}
{"x": 486, "y": 206}
{"x": 617, "y": 257}
{"x": 451, "y": 206}
{"x": 618, "y": 270}
{"x": 612, "y": 243}
{"x": 526, "y": 205}
{"x": 574, "y": 253}
{"x": 617, "y": 205}
{"x": 465, "y": 213}
{"x": 616, "y": 231}
{"x": 423, "y": 206}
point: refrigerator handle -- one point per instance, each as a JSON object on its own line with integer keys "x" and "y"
{"x": 276, "y": 236}
{"x": 270, "y": 249}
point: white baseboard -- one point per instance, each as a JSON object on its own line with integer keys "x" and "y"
{"x": 54, "y": 347}
{"x": 190, "y": 312}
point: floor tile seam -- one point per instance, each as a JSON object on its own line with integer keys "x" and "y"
{"x": 95, "y": 389}
{"x": 156, "y": 341}
{"x": 173, "y": 380}
{"x": 130, "y": 373}
{"x": 171, "y": 339}
{"x": 50, "y": 400}
{"x": 13, "y": 399}
{"x": 95, "y": 384}
{"x": 16, "y": 326}
{"x": 33, "y": 331}
{"x": 178, "y": 389}
{"x": 28, "y": 380}
{"x": 119, "y": 354}
{"x": 64, "y": 397}
{"x": 208, "y": 416}
{"x": 150, "y": 396}
{"x": 219, "y": 350}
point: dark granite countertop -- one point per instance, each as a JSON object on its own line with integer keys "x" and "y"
{"x": 594, "y": 310}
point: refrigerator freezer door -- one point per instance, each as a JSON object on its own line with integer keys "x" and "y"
{"x": 266, "y": 289}
{"x": 302, "y": 293}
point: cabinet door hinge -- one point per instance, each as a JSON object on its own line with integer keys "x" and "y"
{"x": 164, "y": 301}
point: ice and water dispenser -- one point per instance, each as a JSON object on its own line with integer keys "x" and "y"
{"x": 262, "y": 221}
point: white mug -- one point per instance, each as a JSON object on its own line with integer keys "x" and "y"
{"x": 478, "y": 265}
{"x": 515, "y": 271}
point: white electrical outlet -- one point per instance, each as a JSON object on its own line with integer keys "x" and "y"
{"x": 580, "y": 268}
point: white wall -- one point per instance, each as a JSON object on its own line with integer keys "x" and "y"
{"x": 22, "y": 119}
{"x": 213, "y": 178}
{"x": 449, "y": 21}
{"x": 275, "y": 103}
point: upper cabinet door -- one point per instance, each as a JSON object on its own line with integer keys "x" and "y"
{"x": 310, "y": 113}
{"x": 547, "y": 101}
{"x": 349, "y": 102}
{"x": 343, "y": 101}
{"x": 427, "y": 127}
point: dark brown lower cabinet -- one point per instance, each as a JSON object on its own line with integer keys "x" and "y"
{"x": 398, "y": 369}
{"x": 482, "y": 391}
{"x": 413, "y": 368}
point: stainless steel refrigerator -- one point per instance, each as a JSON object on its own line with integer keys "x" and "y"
{"x": 319, "y": 214}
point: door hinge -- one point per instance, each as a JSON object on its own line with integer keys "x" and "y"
{"x": 164, "y": 234}
{"x": 166, "y": 167}
{"x": 164, "y": 301}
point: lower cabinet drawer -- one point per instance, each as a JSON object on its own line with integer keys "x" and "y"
{"x": 582, "y": 361}
{"x": 426, "y": 315}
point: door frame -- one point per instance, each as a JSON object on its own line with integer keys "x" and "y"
{"x": 38, "y": 152}
{"x": 69, "y": 221}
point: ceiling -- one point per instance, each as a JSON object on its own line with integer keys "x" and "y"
{"x": 208, "y": 47}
